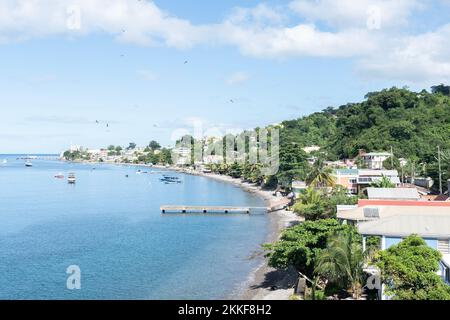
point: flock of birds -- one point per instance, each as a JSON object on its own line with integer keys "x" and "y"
{"x": 155, "y": 125}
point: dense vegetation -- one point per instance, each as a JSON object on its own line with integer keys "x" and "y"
{"x": 300, "y": 245}
{"x": 319, "y": 204}
{"x": 410, "y": 268}
{"x": 413, "y": 124}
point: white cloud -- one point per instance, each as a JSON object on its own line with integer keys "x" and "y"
{"x": 262, "y": 14}
{"x": 388, "y": 50}
{"x": 419, "y": 59}
{"x": 237, "y": 78}
{"x": 140, "y": 22}
{"x": 351, "y": 13}
{"x": 300, "y": 40}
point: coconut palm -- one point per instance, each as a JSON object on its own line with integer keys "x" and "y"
{"x": 320, "y": 175}
{"x": 341, "y": 262}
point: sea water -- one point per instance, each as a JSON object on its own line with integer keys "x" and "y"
{"x": 111, "y": 227}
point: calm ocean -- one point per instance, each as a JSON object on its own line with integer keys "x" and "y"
{"x": 111, "y": 227}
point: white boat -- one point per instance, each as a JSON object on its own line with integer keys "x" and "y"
{"x": 71, "y": 178}
{"x": 28, "y": 164}
{"x": 5, "y": 161}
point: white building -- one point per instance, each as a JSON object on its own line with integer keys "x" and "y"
{"x": 75, "y": 148}
{"x": 311, "y": 149}
{"x": 182, "y": 156}
{"x": 374, "y": 160}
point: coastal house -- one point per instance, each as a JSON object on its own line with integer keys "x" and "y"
{"x": 431, "y": 225}
{"x": 356, "y": 180}
{"x": 394, "y": 220}
{"x": 368, "y": 176}
{"x": 369, "y": 209}
{"x": 347, "y": 178}
{"x": 374, "y": 160}
{"x": 182, "y": 156}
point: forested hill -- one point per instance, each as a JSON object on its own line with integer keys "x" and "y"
{"x": 413, "y": 123}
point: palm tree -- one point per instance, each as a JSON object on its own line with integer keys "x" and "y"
{"x": 385, "y": 182}
{"x": 341, "y": 262}
{"x": 320, "y": 175}
{"x": 311, "y": 196}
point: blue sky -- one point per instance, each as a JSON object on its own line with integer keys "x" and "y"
{"x": 123, "y": 64}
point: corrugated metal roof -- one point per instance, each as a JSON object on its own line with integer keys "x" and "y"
{"x": 393, "y": 193}
{"x": 387, "y": 154}
{"x": 379, "y": 173}
{"x": 347, "y": 172}
{"x": 392, "y": 210}
{"x": 435, "y": 226}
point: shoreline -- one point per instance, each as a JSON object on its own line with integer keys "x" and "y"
{"x": 263, "y": 282}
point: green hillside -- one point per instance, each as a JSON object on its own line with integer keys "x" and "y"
{"x": 413, "y": 123}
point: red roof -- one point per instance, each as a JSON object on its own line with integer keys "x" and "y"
{"x": 405, "y": 203}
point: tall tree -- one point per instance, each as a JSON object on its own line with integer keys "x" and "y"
{"x": 320, "y": 176}
{"x": 342, "y": 262}
{"x": 409, "y": 271}
{"x": 154, "y": 145}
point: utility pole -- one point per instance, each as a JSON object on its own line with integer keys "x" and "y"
{"x": 392, "y": 158}
{"x": 403, "y": 179}
{"x": 440, "y": 172}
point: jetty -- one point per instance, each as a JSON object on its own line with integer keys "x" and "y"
{"x": 211, "y": 209}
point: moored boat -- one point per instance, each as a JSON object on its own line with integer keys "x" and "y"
{"x": 71, "y": 179}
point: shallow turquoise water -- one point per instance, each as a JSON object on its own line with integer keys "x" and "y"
{"x": 111, "y": 227}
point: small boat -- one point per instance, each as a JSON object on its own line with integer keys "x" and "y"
{"x": 28, "y": 164}
{"x": 71, "y": 178}
{"x": 59, "y": 176}
{"x": 5, "y": 161}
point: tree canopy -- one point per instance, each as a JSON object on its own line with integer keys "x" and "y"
{"x": 409, "y": 270}
{"x": 300, "y": 245}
